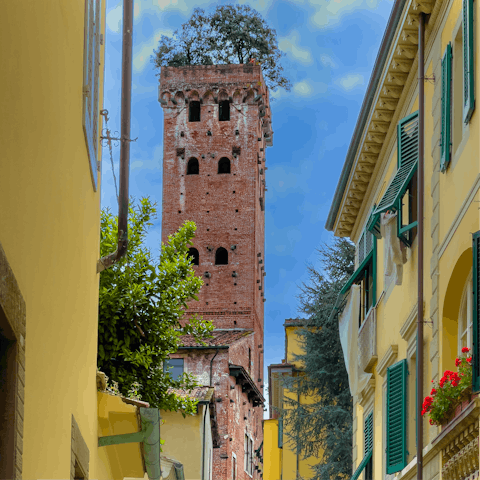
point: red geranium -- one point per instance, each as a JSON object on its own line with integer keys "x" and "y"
{"x": 465, "y": 349}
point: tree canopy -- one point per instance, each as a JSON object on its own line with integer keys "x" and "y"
{"x": 326, "y": 423}
{"x": 142, "y": 302}
{"x": 231, "y": 34}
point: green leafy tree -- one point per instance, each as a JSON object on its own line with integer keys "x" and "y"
{"x": 231, "y": 34}
{"x": 325, "y": 425}
{"x": 142, "y": 304}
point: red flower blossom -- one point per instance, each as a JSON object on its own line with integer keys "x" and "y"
{"x": 433, "y": 392}
{"x": 469, "y": 359}
{"x": 457, "y": 362}
{"x": 465, "y": 349}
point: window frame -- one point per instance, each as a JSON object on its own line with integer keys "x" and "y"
{"x": 190, "y": 104}
{"x": 166, "y": 365}
{"x": 91, "y": 85}
{"x": 466, "y": 303}
{"x": 468, "y": 60}
{"x": 446, "y": 109}
{"x": 476, "y": 312}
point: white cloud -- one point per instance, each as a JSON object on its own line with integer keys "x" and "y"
{"x": 142, "y": 53}
{"x": 331, "y": 11}
{"x": 327, "y": 61}
{"x": 303, "y": 88}
{"x": 350, "y": 81}
{"x": 114, "y": 18}
{"x": 290, "y": 44}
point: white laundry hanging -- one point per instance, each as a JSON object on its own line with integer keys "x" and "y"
{"x": 348, "y": 326}
{"x": 395, "y": 252}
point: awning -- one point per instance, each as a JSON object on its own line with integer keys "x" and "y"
{"x": 248, "y": 385}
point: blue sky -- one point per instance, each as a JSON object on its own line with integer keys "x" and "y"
{"x": 330, "y": 49}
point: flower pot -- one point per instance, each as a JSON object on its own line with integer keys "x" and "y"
{"x": 458, "y": 407}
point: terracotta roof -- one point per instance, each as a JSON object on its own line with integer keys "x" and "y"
{"x": 220, "y": 338}
{"x": 198, "y": 393}
{"x": 294, "y": 322}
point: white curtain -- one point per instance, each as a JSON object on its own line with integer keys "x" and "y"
{"x": 395, "y": 252}
{"x": 348, "y": 326}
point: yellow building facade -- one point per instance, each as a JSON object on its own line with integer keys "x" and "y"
{"x": 52, "y": 60}
{"x": 280, "y": 459}
{"x": 375, "y": 206}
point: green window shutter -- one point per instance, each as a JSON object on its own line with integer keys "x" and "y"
{"x": 446, "y": 140}
{"x": 396, "y": 417}
{"x": 368, "y": 434}
{"x": 91, "y": 71}
{"x": 407, "y": 140}
{"x": 362, "y": 465}
{"x": 476, "y": 312}
{"x": 280, "y": 432}
{"x": 468, "y": 61}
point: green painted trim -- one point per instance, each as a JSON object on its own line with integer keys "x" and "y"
{"x": 445, "y": 134}
{"x": 358, "y": 271}
{"x": 402, "y": 122}
{"x": 362, "y": 465}
{"x": 396, "y": 417}
{"x": 280, "y": 432}
{"x": 374, "y": 272}
{"x": 476, "y": 313}
{"x": 121, "y": 439}
{"x": 468, "y": 61}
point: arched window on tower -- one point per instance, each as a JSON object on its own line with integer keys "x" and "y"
{"x": 194, "y": 256}
{"x": 221, "y": 256}
{"x": 224, "y": 165}
{"x": 194, "y": 111}
{"x": 192, "y": 167}
{"x": 224, "y": 111}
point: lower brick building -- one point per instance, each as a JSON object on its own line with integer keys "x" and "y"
{"x": 236, "y": 415}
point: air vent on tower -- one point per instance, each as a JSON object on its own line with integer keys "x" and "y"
{"x": 234, "y": 274}
{"x": 180, "y": 151}
{"x": 233, "y": 247}
{"x": 207, "y": 274}
{"x": 236, "y": 150}
{"x": 209, "y": 133}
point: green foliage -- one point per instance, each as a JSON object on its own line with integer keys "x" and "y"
{"x": 231, "y": 34}
{"x": 326, "y": 424}
{"x": 142, "y": 303}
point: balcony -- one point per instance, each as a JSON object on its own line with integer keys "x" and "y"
{"x": 367, "y": 342}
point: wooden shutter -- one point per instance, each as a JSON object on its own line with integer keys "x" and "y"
{"x": 407, "y": 139}
{"x": 468, "y": 61}
{"x": 280, "y": 432}
{"x": 91, "y": 87}
{"x": 362, "y": 465}
{"x": 368, "y": 434}
{"x": 446, "y": 140}
{"x": 476, "y": 312}
{"x": 396, "y": 417}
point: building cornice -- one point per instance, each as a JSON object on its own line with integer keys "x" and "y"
{"x": 386, "y": 94}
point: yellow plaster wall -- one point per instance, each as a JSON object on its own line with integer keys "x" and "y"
{"x": 183, "y": 441}
{"x": 50, "y": 220}
{"x": 272, "y": 455}
{"x": 116, "y": 417}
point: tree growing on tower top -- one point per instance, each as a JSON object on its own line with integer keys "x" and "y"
{"x": 232, "y": 34}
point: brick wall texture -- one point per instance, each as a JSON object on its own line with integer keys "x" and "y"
{"x": 228, "y": 209}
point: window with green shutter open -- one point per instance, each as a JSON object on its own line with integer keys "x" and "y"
{"x": 366, "y": 273}
{"x": 476, "y": 312}
{"x": 401, "y": 193}
{"x": 396, "y": 417}
{"x": 468, "y": 61}
{"x": 446, "y": 127}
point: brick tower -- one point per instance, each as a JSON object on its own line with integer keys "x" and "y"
{"x": 217, "y": 125}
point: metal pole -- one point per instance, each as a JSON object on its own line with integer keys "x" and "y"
{"x": 122, "y": 245}
{"x": 125, "y": 115}
{"x": 420, "y": 178}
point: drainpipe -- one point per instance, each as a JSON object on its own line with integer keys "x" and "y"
{"x": 421, "y": 131}
{"x": 112, "y": 258}
{"x": 211, "y": 367}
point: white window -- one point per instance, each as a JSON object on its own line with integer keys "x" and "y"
{"x": 248, "y": 456}
{"x": 465, "y": 317}
{"x": 91, "y": 83}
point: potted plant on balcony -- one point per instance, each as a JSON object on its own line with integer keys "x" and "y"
{"x": 452, "y": 392}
